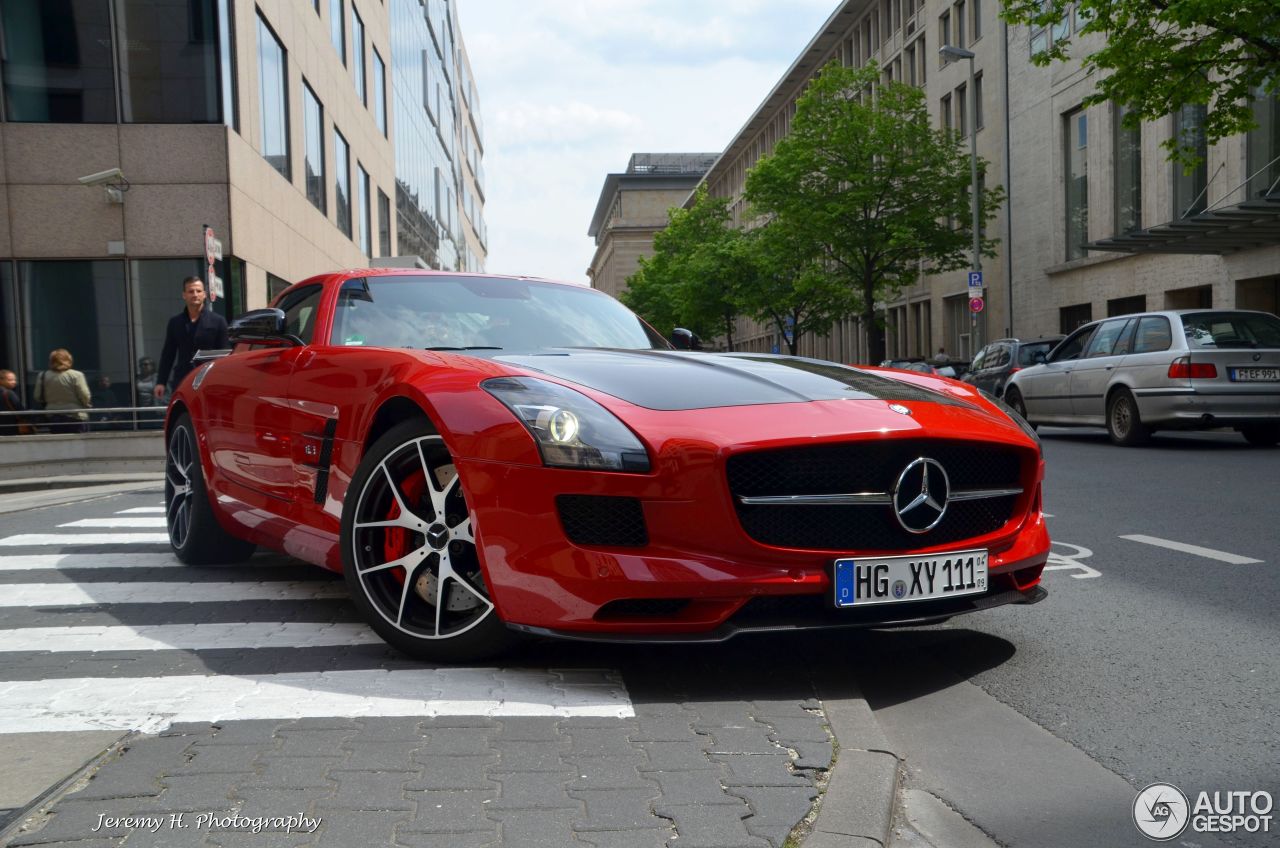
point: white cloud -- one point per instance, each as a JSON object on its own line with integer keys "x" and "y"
{"x": 569, "y": 89}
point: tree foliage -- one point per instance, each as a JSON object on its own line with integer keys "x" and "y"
{"x": 690, "y": 280}
{"x": 1161, "y": 55}
{"x": 864, "y": 191}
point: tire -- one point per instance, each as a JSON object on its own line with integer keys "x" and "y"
{"x": 1262, "y": 435}
{"x": 1013, "y": 397}
{"x": 409, "y": 554}
{"x": 1124, "y": 422}
{"x": 194, "y": 532}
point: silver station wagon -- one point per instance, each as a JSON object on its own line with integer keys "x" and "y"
{"x": 1190, "y": 369}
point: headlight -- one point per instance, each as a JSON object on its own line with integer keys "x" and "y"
{"x": 572, "y": 430}
{"x": 1013, "y": 416}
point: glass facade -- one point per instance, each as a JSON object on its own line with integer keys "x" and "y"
{"x": 168, "y": 61}
{"x": 1264, "y": 146}
{"x": 421, "y": 60}
{"x": 313, "y": 121}
{"x": 1189, "y": 195}
{"x": 1128, "y": 169}
{"x": 273, "y": 99}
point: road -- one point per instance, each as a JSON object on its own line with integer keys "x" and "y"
{"x": 1152, "y": 660}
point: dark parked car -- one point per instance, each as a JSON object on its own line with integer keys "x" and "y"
{"x": 1000, "y": 360}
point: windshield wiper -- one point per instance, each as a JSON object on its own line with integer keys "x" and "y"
{"x": 472, "y": 347}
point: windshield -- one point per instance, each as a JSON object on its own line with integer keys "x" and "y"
{"x": 483, "y": 313}
{"x": 1231, "y": 329}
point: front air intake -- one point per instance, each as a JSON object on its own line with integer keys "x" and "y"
{"x": 601, "y": 520}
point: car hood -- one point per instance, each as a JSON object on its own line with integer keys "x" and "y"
{"x": 678, "y": 380}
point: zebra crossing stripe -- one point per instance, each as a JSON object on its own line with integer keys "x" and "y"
{"x": 34, "y": 562}
{"x": 152, "y": 703}
{"x": 92, "y": 594}
{"x": 127, "y": 521}
{"x": 187, "y": 637}
{"x": 23, "y": 539}
{"x": 141, "y": 509}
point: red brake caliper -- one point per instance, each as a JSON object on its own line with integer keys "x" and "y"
{"x": 397, "y": 541}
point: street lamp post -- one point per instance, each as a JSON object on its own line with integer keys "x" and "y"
{"x": 953, "y": 53}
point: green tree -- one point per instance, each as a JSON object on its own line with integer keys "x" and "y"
{"x": 1161, "y": 55}
{"x": 867, "y": 191}
{"x": 691, "y": 278}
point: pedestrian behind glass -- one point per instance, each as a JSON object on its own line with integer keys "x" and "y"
{"x": 146, "y": 383}
{"x": 194, "y": 328}
{"x": 64, "y": 388}
{"x": 12, "y": 425}
{"x": 942, "y": 357}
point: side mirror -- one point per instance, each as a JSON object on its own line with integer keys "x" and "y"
{"x": 683, "y": 339}
{"x": 1039, "y": 357}
{"x": 261, "y": 326}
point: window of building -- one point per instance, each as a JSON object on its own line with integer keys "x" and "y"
{"x": 168, "y": 73}
{"x": 960, "y": 23}
{"x": 273, "y": 99}
{"x": 944, "y": 112}
{"x": 384, "y": 224}
{"x": 1073, "y": 317}
{"x": 1264, "y": 145}
{"x": 1189, "y": 195}
{"x": 342, "y": 181}
{"x": 379, "y": 92}
{"x": 1039, "y": 40}
{"x": 911, "y": 64}
{"x": 962, "y": 109}
{"x": 977, "y": 101}
{"x": 362, "y": 204}
{"x": 944, "y": 34}
{"x": 1062, "y": 28}
{"x": 338, "y": 29}
{"x": 1076, "y": 160}
{"x": 57, "y": 62}
{"x": 958, "y": 326}
{"x": 1128, "y": 171}
{"x": 275, "y": 285}
{"x": 1126, "y": 305}
{"x": 313, "y": 126}
{"x": 975, "y": 8}
{"x": 357, "y": 55}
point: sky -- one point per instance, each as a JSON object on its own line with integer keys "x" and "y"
{"x": 569, "y": 89}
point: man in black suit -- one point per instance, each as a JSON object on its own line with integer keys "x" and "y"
{"x": 194, "y": 328}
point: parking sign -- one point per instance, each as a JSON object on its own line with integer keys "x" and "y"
{"x": 975, "y": 279}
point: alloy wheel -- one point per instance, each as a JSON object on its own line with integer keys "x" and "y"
{"x": 413, "y": 544}
{"x": 177, "y": 485}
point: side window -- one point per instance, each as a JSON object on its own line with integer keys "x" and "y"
{"x": 979, "y": 361}
{"x": 1002, "y": 356}
{"x": 1125, "y": 343}
{"x": 1153, "y": 335}
{"x": 1073, "y": 346}
{"x": 1104, "y": 341}
{"x": 300, "y": 310}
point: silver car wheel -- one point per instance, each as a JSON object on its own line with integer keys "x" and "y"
{"x": 177, "y": 485}
{"x": 413, "y": 544}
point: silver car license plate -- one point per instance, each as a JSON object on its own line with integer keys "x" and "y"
{"x": 1255, "y": 375}
{"x": 898, "y": 579}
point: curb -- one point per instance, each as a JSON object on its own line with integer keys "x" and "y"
{"x": 858, "y": 806}
{"x": 76, "y": 481}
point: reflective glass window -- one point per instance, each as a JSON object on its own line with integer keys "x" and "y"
{"x": 1077, "y": 159}
{"x": 155, "y": 288}
{"x": 57, "y": 61}
{"x": 338, "y": 29}
{"x": 357, "y": 54}
{"x": 1189, "y": 195}
{"x": 342, "y": 181}
{"x": 379, "y": 92}
{"x": 274, "y": 99}
{"x": 362, "y": 203}
{"x": 1128, "y": 170}
{"x": 168, "y": 61}
{"x": 313, "y": 121}
{"x": 384, "y": 224}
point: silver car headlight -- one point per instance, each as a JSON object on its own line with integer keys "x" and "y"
{"x": 1012, "y": 415}
{"x": 571, "y": 429}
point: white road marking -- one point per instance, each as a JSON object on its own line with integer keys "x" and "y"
{"x": 84, "y": 539}
{"x": 90, "y": 594}
{"x": 129, "y": 521}
{"x": 32, "y": 562}
{"x": 140, "y": 509}
{"x": 1060, "y": 561}
{"x": 187, "y": 637}
{"x": 1209, "y": 553}
{"x": 153, "y": 703}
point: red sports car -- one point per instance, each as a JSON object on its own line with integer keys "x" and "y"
{"x": 484, "y": 456}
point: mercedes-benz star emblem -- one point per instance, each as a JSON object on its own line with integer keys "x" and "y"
{"x": 920, "y": 495}
{"x": 900, "y": 409}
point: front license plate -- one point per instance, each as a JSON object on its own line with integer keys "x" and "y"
{"x": 1255, "y": 375}
{"x": 896, "y": 579}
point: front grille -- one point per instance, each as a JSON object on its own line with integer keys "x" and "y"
{"x": 867, "y": 467}
{"x": 602, "y": 520}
